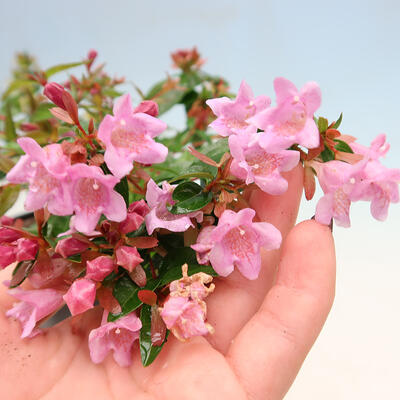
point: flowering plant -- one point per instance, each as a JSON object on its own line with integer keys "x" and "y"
{"x": 137, "y": 218}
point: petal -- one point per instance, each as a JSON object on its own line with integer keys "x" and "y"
{"x": 32, "y": 148}
{"x": 221, "y": 261}
{"x": 116, "y": 207}
{"x": 217, "y": 105}
{"x": 268, "y": 235}
{"x": 310, "y": 94}
{"x": 85, "y": 222}
{"x": 123, "y": 107}
{"x": 21, "y": 171}
{"x": 324, "y": 210}
{"x": 250, "y": 267}
{"x": 119, "y": 166}
{"x": 284, "y": 89}
{"x": 309, "y": 135}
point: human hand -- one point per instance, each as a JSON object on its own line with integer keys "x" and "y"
{"x": 263, "y": 330}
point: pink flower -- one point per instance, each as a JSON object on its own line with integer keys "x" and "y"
{"x": 128, "y": 257}
{"x": 252, "y": 163}
{"x": 233, "y": 114}
{"x": 99, "y": 268}
{"x": 128, "y": 137}
{"x": 92, "y": 194}
{"x": 159, "y": 216}
{"x": 291, "y": 121}
{"x": 70, "y": 246}
{"x": 54, "y": 91}
{"x": 80, "y": 296}
{"x": 237, "y": 242}
{"x": 366, "y": 180}
{"x": 118, "y": 336}
{"x": 45, "y": 169}
{"x": 136, "y": 213}
{"x": 185, "y": 318}
{"x": 34, "y": 306}
{"x": 26, "y": 249}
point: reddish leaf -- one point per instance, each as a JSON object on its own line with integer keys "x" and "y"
{"x": 143, "y": 242}
{"x": 62, "y": 115}
{"x": 202, "y": 157}
{"x": 71, "y": 106}
{"x": 147, "y": 297}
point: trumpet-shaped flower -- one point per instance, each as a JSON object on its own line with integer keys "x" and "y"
{"x": 46, "y": 170}
{"x": 291, "y": 121}
{"x": 252, "y": 163}
{"x": 236, "y": 242}
{"x": 159, "y": 216}
{"x": 34, "y": 306}
{"x": 185, "y": 317}
{"x": 128, "y": 137}
{"x": 233, "y": 114}
{"x": 92, "y": 194}
{"x": 117, "y": 336}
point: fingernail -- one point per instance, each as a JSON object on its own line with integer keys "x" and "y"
{"x": 331, "y": 225}
{"x": 313, "y": 217}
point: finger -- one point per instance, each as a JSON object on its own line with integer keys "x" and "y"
{"x": 268, "y": 352}
{"x": 242, "y": 296}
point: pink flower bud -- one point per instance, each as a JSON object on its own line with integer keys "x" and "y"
{"x": 92, "y": 54}
{"x": 29, "y": 127}
{"x": 147, "y": 107}
{"x": 8, "y": 235}
{"x": 4, "y": 220}
{"x": 54, "y": 92}
{"x": 70, "y": 246}
{"x": 80, "y": 296}
{"x": 131, "y": 223}
{"x": 99, "y": 268}
{"x": 26, "y": 249}
{"x": 7, "y": 256}
{"x": 128, "y": 257}
{"x": 139, "y": 207}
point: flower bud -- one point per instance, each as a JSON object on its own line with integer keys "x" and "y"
{"x": 99, "y": 268}
{"x": 148, "y": 107}
{"x": 26, "y": 249}
{"x": 80, "y": 296}
{"x": 7, "y": 256}
{"x": 70, "y": 246}
{"x": 128, "y": 257}
{"x": 53, "y": 91}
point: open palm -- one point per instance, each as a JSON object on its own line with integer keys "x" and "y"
{"x": 263, "y": 331}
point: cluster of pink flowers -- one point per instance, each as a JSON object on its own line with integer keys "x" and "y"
{"x": 260, "y": 157}
{"x": 121, "y": 252}
{"x": 84, "y": 190}
{"x": 367, "y": 179}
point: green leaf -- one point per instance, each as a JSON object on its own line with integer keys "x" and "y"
{"x": 126, "y": 293}
{"x": 54, "y": 226}
{"x": 9, "y": 128}
{"x": 169, "y": 98}
{"x": 8, "y": 196}
{"x": 148, "y": 352}
{"x": 42, "y": 113}
{"x": 20, "y": 273}
{"x": 18, "y": 84}
{"x": 322, "y": 124}
{"x": 62, "y": 67}
{"x": 171, "y": 266}
{"x": 191, "y": 204}
{"x": 342, "y": 146}
{"x": 338, "y": 122}
{"x": 123, "y": 189}
{"x": 186, "y": 190}
{"x": 327, "y": 154}
{"x": 188, "y": 99}
{"x": 155, "y": 89}
{"x": 5, "y": 163}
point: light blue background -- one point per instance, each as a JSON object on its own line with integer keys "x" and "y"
{"x": 351, "y": 48}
